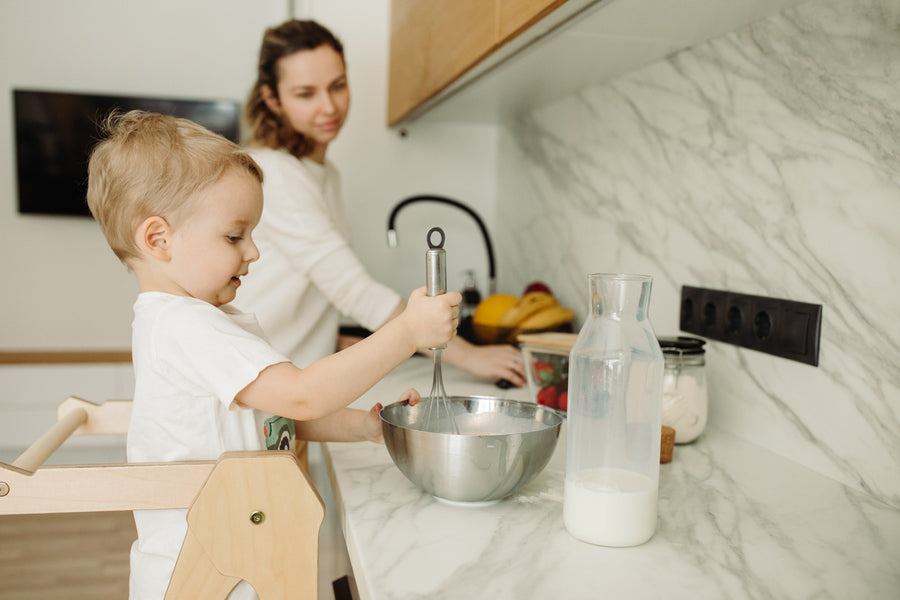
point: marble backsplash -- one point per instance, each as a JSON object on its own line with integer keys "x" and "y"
{"x": 766, "y": 161}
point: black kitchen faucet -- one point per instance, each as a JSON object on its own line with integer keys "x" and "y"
{"x": 392, "y": 233}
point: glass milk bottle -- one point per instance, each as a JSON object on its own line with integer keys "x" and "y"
{"x": 614, "y": 417}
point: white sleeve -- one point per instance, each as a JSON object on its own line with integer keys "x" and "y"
{"x": 299, "y": 225}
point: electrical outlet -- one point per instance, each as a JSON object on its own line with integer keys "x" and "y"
{"x": 784, "y": 328}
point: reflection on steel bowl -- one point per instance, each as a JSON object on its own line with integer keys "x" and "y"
{"x": 502, "y": 445}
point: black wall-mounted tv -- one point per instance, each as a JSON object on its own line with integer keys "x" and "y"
{"x": 55, "y": 132}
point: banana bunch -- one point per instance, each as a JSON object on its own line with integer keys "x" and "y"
{"x": 534, "y": 311}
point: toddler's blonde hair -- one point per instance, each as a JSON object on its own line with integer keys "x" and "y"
{"x": 149, "y": 164}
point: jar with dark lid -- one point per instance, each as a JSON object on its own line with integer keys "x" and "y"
{"x": 685, "y": 397}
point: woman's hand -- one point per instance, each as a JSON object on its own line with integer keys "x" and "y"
{"x": 500, "y": 361}
{"x": 372, "y": 421}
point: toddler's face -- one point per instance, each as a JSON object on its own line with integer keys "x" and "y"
{"x": 212, "y": 249}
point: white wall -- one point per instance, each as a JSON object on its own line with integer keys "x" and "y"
{"x": 64, "y": 289}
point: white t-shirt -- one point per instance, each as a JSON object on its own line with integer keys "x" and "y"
{"x": 307, "y": 273}
{"x": 190, "y": 360}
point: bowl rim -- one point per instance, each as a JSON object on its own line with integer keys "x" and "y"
{"x": 562, "y": 415}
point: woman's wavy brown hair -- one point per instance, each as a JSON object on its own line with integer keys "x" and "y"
{"x": 266, "y": 128}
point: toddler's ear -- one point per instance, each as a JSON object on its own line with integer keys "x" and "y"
{"x": 152, "y": 238}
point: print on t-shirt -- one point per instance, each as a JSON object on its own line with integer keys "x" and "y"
{"x": 279, "y": 432}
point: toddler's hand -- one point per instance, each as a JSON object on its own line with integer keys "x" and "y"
{"x": 372, "y": 424}
{"x": 411, "y": 396}
{"x": 431, "y": 320}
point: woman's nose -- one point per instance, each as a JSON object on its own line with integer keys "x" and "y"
{"x": 328, "y": 103}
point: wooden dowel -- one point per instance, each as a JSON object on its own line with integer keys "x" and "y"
{"x": 111, "y": 417}
{"x": 36, "y": 454}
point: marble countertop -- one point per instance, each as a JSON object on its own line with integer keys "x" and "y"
{"x": 735, "y": 521}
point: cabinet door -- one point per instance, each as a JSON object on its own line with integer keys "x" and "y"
{"x": 433, "y": 42}
{"x": 515, "y": 16}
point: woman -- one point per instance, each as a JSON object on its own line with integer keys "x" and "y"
{"x": 307, "y": 274}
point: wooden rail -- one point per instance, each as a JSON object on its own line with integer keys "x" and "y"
{"x": 56, "y": 357}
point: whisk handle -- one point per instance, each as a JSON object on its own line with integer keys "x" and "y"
{"x": 435, "y": 267}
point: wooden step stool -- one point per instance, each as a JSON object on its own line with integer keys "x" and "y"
{"x": 251, "y": 515}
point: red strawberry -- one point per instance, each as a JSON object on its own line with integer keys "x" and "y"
{"x": 545, "y": 375}
{"x": 547, "y": 397}
{"x": 542, "y": 366}
{"x": 563, "y": 401}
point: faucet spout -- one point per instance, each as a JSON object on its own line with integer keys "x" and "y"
{"x": 392, "y": 232}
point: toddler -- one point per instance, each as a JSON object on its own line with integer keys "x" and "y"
{"x": 177, "y": 205}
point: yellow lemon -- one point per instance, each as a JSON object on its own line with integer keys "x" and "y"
{"x": 487, "y": 316}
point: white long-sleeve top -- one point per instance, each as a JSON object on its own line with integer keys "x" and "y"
{"x": 307, "y": 273}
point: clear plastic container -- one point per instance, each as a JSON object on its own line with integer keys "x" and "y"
{"x": 614, "y": 417}
{"x": 546, "y": 357}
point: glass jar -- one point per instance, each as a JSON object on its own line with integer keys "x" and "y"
{"x": 614, "y": 417}
{"x": 685, "y": 398}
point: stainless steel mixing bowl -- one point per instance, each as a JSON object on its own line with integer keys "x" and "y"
{"x": 502, "y": 445}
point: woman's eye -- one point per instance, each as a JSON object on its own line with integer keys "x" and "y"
{"x": 234, "y": 239}
{"x": 339, "y": 86}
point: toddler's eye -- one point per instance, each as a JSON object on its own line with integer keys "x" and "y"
{"x": 234, "y": 239}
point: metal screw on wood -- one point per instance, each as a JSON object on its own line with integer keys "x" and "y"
{"x": 4, "y": 488}
{"x": 257, "y": 517}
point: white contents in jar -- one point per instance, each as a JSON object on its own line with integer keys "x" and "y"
{"x": 610, "y": 507}
{"x": 685, "y": 404}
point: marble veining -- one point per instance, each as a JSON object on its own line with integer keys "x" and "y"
{"x": 735, "y": 521}
{"x": 766, "y": 161}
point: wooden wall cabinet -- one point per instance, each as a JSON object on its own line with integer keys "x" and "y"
{"x": 434, "y": 42}
{"x": 486, "y": 61}
{"x": 515, "y": 16}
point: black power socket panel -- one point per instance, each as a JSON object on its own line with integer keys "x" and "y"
{"x": 784, "y": 328}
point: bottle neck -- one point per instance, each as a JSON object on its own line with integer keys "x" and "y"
{"x": 620, "y": 296}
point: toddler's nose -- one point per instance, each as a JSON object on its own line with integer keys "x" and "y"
{"x": 252, "y": 252}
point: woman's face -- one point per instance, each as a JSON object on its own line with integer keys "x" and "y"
{"x": 313, "y": 95}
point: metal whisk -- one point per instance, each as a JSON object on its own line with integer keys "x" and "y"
{"x": 438, "y": 413}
